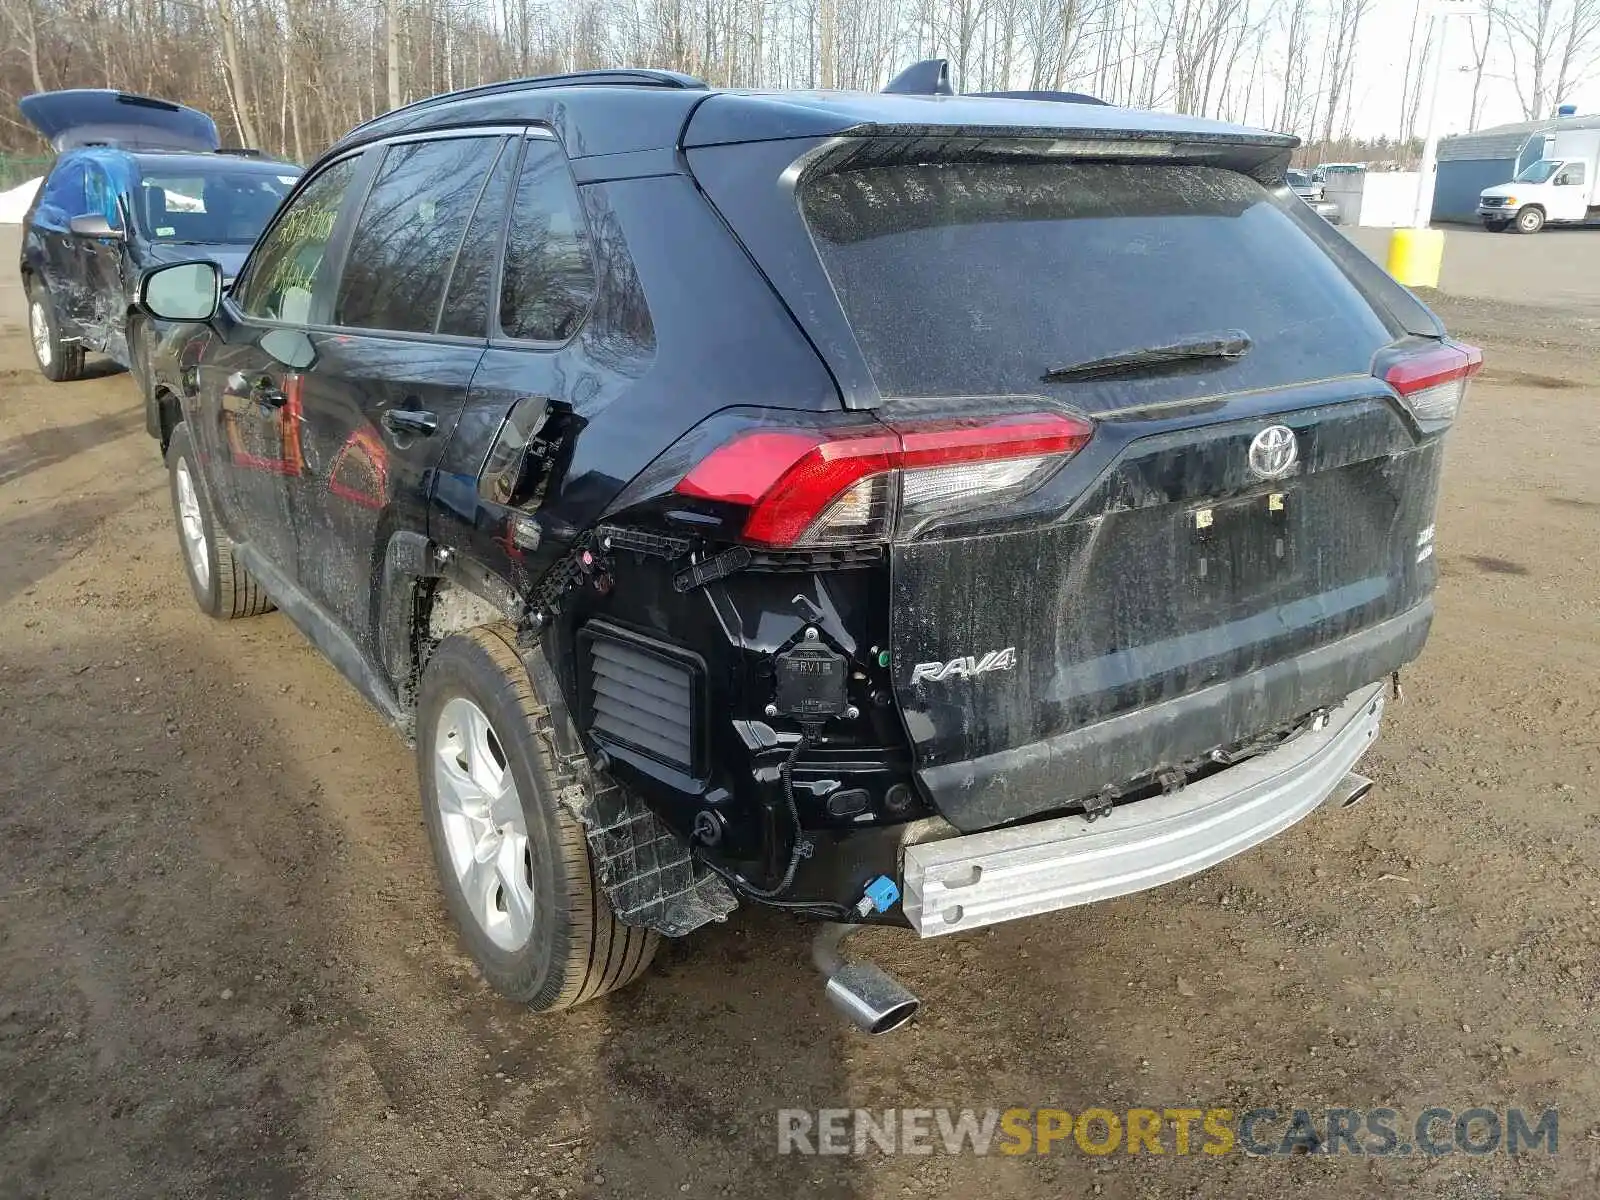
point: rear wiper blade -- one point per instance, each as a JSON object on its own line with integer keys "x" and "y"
{"x": 1228, "y": 344}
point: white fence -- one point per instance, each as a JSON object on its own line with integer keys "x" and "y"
{"x": 1383, "y": 198}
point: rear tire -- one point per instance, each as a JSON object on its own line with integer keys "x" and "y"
{"x": 513, "y": 862}
{"x": 1530, "y": 220}
{"x": 222, "y": 587}
{"x": 59, "y": 362}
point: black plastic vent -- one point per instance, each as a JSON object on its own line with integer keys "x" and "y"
{"x": 643, "y": 695}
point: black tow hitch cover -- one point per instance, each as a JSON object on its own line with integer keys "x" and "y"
{"x": 811, "y": 682}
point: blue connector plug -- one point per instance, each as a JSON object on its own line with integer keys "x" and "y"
{"x": 881, "y": 895}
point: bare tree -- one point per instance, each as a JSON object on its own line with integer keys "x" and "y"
{"x": 392, "y": 46}
{"x": 1296, "y": 22}
{"x": 1551, "y": 44}
{"x": 238, "y": 93}
{"x": 1344, "y": 24}
{"x": 291, "y": 76}
{"x": 1482, "y": 40}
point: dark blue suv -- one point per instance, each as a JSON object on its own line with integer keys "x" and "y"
{"x": 139, "y": 182}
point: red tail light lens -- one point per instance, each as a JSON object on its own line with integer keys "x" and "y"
{"x": 831, "y": 487}
{"x": 1434, "y": 382}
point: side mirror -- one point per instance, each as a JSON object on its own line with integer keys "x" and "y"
{"x": 93, "y": 225}
{"x": 188, "y": 291}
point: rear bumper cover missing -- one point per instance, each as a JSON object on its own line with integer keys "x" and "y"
{"x": 993, "y": 790}
{"x": 982, "y": 878}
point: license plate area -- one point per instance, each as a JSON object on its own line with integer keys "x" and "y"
{"x": 1243, "y": 549}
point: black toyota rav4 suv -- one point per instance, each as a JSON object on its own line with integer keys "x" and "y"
{"x": 907, "y": 508}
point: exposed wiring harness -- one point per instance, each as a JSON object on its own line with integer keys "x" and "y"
{"x": 799, "y": 849}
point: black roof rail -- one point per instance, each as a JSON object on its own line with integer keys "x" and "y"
{"x": 1055, "y": 97}
{"x": 930, "y": 77}
{"x": 242, "y": 151}
{"x": 614, "y": 77}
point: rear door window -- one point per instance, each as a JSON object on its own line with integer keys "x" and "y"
{"x": 549, "y": 282}
{"x": 974, "y": 279}
{"x": 408, "y": 233}
{"x": 466, "y": 303}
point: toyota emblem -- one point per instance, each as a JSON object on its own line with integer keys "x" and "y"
{"x": 1274, "y": 451}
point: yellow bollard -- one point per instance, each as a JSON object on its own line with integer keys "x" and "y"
{"x": 1415, "y": 256}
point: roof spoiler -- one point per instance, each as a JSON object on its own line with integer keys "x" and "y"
{"x": 931, "y": 77}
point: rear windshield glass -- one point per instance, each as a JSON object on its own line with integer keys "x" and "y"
{"x": 981, "y": 278}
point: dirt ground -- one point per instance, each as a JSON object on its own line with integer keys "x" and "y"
{"x": 225, "y": 969}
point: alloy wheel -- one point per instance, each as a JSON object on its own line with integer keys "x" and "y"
{"x": 193, "y": 526}
{"x": 39, "y": 326}
{"x": 485, "y": 831}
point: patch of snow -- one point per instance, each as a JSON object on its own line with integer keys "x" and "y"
{"x": 14, "y": 203}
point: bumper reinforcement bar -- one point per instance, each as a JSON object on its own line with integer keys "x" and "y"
{"x": 981, "y": 878}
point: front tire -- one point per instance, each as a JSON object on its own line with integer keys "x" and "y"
{"x": 222, "y": 587}
{"x": 1530, "y": 220}
{"x": 512, "y": 861}
{"x": 59, "y": 362}
{"x": 1496, "y": 226}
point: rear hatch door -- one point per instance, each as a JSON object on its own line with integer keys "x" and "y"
{"x": 101, "y": 116}
{"x": 1241, "y": 540}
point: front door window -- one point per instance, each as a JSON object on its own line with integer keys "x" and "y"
{"x": 281, "y": 279}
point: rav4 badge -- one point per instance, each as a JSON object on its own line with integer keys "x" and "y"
{"x": 965, "y": 668}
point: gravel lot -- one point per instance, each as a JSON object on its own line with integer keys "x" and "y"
{"x": 225, "y": 971}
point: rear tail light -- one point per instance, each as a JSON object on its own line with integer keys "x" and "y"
{"x": 1434, "y": 381}
{"x": 865, "y": 483}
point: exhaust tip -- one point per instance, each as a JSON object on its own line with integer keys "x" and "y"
{"x": 1353, "y": 790}
{"x": 870, "y": 999}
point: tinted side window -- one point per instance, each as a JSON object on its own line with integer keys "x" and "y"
{"x": 283, "y": 274}
{"x": 100, "y": 197}
{"x": 549, "y": 283}
{"x": 466, "y": 304}
{"x": 409, "y": 229}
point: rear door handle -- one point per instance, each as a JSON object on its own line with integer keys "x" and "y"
{"x": 410, "y": 420}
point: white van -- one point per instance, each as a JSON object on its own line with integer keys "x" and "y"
{"x": 1562, "y": 188}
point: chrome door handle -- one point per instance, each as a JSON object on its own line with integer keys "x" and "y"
{"x": 410, "y": 420}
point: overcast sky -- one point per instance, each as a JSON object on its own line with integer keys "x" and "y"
{"x": 1381, "y": 64}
